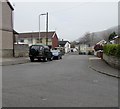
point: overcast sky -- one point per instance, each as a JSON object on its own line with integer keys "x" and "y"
{"x": 70, "y": 19}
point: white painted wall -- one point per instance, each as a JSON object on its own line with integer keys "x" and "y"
{"x": 67, "y": 47}
{"x": 83, "y": 48}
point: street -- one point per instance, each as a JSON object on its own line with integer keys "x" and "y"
{"x": 61, "y": 83}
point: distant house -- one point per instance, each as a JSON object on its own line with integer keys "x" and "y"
{"x": 66, "y": 45}
{"x": 98, "y": 48}
{"x": 117, "y": 40}
{"x": 102, "y": 42}
{"x": 16, "y": 34}
{"x": 82, "y": 48}
{"x": 6, "y": 29}
{"x": 33, "y": 38}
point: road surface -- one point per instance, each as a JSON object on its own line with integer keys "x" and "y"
{"x": 61, "y": 83}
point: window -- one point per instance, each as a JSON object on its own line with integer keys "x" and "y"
{"x": 21, "y": 40}
{"x": 35, "y": 47}
{"x": 37, "y": 40}
{"x": 49, "y": 40}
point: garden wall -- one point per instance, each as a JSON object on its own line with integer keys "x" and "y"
{"x": 112, "y": 61}
{"x": 21, "y": 50}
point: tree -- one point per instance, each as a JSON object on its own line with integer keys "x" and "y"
{"x": 86, "y": 39}
{"x": 111, "y": 36}
{"x": 73, "y": 44}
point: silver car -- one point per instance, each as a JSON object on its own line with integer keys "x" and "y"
{"x": 56, "y": 54}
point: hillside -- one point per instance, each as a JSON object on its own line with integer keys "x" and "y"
{"x": 94, "y": 37}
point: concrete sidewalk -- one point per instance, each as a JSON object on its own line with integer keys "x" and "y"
{"x": 13, "y": 61}
{"x": 101, "y": 66}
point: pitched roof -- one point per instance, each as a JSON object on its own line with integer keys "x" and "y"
{"x": 15, "y": 32}
{"x": 36, "y": 35}
{"x": 62, "y": 43}
{"x": 10, "y": 5}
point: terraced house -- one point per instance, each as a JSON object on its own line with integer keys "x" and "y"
{"x": 33, "y": 38}
{"x": 6, "y": 29}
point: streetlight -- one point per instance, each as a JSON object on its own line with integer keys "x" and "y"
{"x": 39, "y": 25}
{"x": 46, "y": 26}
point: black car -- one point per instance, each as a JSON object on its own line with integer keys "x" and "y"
{"x": 40, "y": 52}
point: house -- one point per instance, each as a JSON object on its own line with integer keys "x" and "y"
{"x": 82, "y": 48}
{"x": 33, "y": 38}
{"x": 102, "y": 42}
{"x": 66, "y": 45}
{"x": 98, "y": 48}
{"x": 117, "y": 40}
{"x": 6, "y": 29}
{"x": 16, "y": 34}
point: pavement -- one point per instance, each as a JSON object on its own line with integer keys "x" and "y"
{"x": 13, "y": 61}
{"x": 95, "y": 63}
{"x": 99, "y": 65}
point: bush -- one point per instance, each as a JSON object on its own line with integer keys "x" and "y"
{"x": 118, "y": 51}
{"x": 112, "y": 50}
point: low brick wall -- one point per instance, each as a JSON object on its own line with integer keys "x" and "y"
{"x": 21, "y": 50}
{"x": 112, "y": 61}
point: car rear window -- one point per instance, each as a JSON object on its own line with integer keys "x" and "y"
{"x": 35, "y": 47}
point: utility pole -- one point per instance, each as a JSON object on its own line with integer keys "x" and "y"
{"x": 47, "y": 28}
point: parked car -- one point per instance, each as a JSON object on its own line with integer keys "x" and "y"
{"x": 56, "y": 54}
{"x": 40, "y": 52}
{"x": 62, "y": 49}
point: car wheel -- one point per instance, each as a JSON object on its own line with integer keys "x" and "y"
{"x": 51, "y": 59}
{"x": 39, "y": 59}
{"x": 58, "y": 57}
{"x": 45, "y": 59}
{"x": 31, "y": 59}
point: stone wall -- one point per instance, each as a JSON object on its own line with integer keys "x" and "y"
{"x": 112, "y": 61}
{"x": 21, "y": 50}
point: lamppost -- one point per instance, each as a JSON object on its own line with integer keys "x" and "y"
{"x": 46, "y": 27}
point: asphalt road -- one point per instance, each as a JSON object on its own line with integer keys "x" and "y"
{"x": 61, "y": 83}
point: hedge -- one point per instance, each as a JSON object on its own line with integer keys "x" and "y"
{"x": 112, "y": 50}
